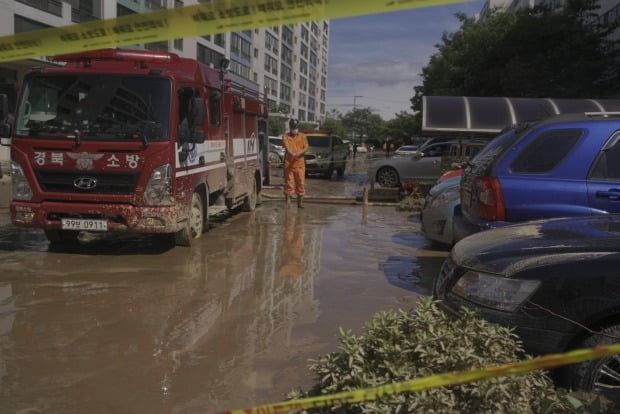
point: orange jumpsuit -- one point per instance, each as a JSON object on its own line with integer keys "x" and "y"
{"x": 295, "y": 165}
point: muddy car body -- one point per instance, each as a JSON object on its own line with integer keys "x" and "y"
{"x": 556, "y": 281}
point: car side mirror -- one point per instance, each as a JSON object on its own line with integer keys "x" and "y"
{"x": 418, "y": 155}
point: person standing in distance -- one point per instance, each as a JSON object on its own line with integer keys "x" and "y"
{"x": 296, "y": 144}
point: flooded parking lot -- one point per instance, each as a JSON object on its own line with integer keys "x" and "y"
{"x": 129, "y": 323}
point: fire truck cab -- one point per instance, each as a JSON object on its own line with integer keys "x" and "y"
{"x": 123, "y": 140}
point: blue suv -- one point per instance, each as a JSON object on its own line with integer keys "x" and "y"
{"x": 565, "y": 165}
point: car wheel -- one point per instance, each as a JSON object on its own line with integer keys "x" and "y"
{"x": 387, "y": 177}
{"x": 341, "y": 167}
{"x": 330, "y": 171}
{"x": 194, "y": 225}
{"x": 602, "y": 375}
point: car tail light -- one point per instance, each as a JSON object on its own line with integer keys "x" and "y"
{"x": 491, "y": 202}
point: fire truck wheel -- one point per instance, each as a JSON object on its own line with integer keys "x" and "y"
{"x": 249, "y": 204}
{"x": 62, "y": 236}
{"x": 194, "y": 225}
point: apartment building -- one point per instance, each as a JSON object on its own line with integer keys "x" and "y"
{"x": 288, "y": 63}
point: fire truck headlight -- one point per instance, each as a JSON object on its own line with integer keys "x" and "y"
{"x": 21, "y": 188}
{"x": 158, "y": 191}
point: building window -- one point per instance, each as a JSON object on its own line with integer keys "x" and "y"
{"x": 240, "y": 69}
{"x": 208, "y": 56}
{"x": 285, "y": 92}
{"x": 240, "y": 47}
{"x": 271, "y": 64}
{"x": 271, "y": 86}
{"x": 287, "y": 35}
{"x": 26, "y": 25}
{"x": 271, "y": 42}
{"x": 220, "y": 39}
{"x": 286, "y": 73}
{"x": 50, "y": 6}
{"x": 287, "y": 55}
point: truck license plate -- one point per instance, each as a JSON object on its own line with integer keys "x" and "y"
{"x": 84, "y": 224}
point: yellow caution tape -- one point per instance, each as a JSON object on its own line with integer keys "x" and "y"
{"x": 435, "y": 381}
{"x": 198, "y": 20}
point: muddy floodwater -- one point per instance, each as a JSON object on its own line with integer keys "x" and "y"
{"x": 132, "y": 324}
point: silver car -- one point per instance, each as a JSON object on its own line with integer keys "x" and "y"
{"x": 438, "y": 212}
{"x": 423, "y": 167}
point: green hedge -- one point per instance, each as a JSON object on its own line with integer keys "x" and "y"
{"x": 399, "y": 346}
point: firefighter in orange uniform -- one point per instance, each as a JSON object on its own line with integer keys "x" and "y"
{"x": 296, "y": 144}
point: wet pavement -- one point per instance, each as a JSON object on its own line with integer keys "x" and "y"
{"x": 132, "y": 324}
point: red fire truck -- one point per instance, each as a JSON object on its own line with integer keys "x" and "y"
{"x": 125, "y": 140}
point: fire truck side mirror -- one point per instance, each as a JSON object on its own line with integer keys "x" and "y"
{"x": 5, "y": 127}
{"x": 4, "y": 108}
{"x": 198, "y": 111}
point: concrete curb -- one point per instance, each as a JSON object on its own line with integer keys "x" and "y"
{"x": 329, "y": 200}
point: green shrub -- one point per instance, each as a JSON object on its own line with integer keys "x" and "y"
{"x": 400, "y": 346}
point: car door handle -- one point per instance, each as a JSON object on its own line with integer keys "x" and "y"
{"x": 612, "y": 194}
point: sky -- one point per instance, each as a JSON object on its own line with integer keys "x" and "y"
{"x": 379, "y": 57}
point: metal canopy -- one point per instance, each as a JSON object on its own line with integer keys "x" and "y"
{"x": 463, "y": 115}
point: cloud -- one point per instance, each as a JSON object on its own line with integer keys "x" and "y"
{"x": 380, "y": 73}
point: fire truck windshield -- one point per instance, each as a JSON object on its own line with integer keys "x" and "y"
{"x": 94, "y": 107}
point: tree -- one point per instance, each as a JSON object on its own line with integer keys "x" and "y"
{"x": 334, "y": 125}
{"x": 531, "y": 53}
{"x": 403, "y": 127}
{"x": 275, "y": 126}
{"x": 363, "y": 124}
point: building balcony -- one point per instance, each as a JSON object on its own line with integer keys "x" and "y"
{"x": 80, "y": 16}
{"x": 50, "y": 6}
{"x": 154, "y": 4}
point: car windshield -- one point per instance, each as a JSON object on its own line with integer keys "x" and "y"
{"x": 106, "y": 107}
{"x": 318, "y": 141}
{"x": 275, "y": 140}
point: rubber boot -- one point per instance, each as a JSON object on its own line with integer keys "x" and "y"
{"x": 287, "y": 200}
{"x": 299, "y": 202}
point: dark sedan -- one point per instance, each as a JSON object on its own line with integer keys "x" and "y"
{"x": 556, "y": 281}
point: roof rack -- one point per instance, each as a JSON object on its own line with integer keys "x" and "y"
{"x": 601, "y": 114}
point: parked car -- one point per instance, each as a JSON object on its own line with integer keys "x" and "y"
{"x": 437, "y": 214}
{"x": 424, "y": 166}
{"x": 276, "y": 157}
{"x": 406, "y": 150}
{"x": 362, "y": 148}
{"x": 327, "y": 152}
{"x": 566, "y": 165}
{"x": 555, "y": 281}
{"x": 449, "y": 174}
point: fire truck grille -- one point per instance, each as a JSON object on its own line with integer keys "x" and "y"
{"x": 87, "y": 182}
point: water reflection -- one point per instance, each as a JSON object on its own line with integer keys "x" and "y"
{"x": 183, "y": 330}
{"x": 293, "y": 244}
